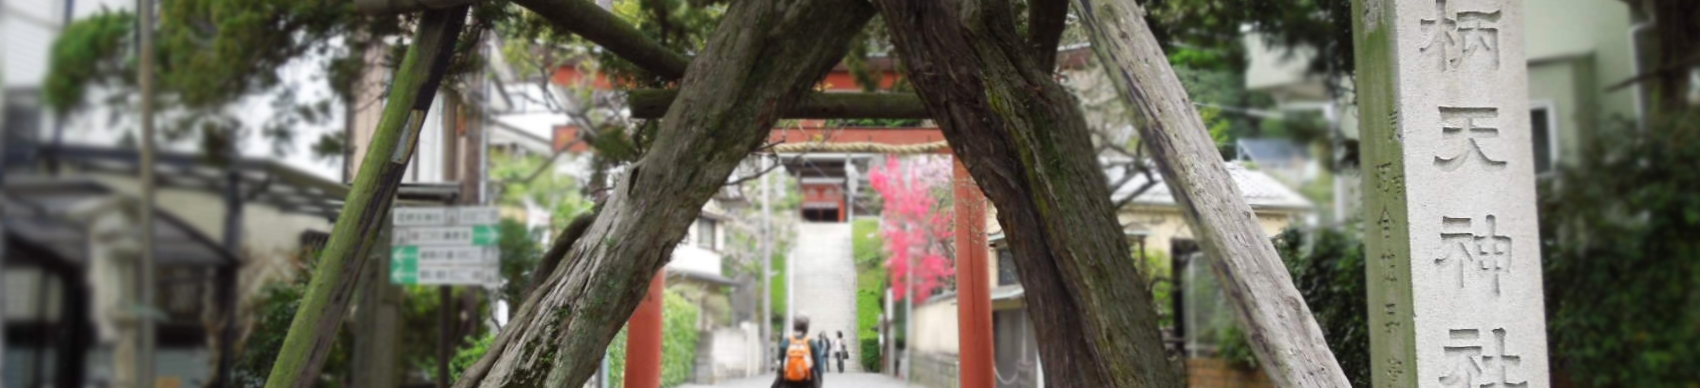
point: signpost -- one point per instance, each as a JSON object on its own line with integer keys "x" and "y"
{"x": 1454, "y": 261}
{"x": 445, "y": 245}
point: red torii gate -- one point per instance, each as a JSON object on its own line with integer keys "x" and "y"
{"x": 974, "y": 301}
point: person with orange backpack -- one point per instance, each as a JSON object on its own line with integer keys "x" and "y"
{"x": 798, "y": 367}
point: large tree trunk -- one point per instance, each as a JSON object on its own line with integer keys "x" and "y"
{"x": 1023, "y": 138}
{"x": 761, "y": 59}
{"x": 1289, "y": 345}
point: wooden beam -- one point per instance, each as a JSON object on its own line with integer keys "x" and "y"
{"x": 598, "y": 25}
{"x": 1288, "y": 343}
{"x": 653, "y": 103}
{"x": 385, "y": 7}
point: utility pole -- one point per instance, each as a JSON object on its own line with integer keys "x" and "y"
{"x": 144, "y": 310}
{"x": 767, "y": 329}
{"x": 909, "y": 301}
{"x": 790, "y": 287}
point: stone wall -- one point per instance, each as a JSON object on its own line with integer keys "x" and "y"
{"x": 936, "y": 370}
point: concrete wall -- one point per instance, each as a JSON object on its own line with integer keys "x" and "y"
{"x": 1577, "y": 49}
{"x": 935, "y": 327}
{"x": 736, "y": 352}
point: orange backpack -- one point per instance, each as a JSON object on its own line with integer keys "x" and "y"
{"x": 799, "y": 360}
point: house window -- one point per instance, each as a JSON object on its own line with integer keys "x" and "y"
{"x": 1543, "y": 131}
{"x": 1006, "y": 268}
{"x": 705, "y": 233}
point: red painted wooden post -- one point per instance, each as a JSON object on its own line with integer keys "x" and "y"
{"x": 973, "y": 291}
{"x": 643, "y": 337}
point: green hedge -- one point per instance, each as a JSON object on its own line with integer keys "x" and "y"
{"x": 1621, "y": 258}
{"x": 871, "y": 354}
{"x": 869, "y": 250}
{"x": 678, "y": 347}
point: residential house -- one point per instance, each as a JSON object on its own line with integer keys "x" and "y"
{"x": 1162, "y": 240}
{"x": 1577, "y": 51}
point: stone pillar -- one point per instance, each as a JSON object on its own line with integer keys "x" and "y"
{"x": 1453, "y": 251}
{"x": 973, "y": 288}
{"x": 643, "y": 337}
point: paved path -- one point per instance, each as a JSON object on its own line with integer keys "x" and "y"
{"x": 833, "y": 380}
{"x": 826, "y": 283}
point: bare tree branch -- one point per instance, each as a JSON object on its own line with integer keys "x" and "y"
{"x": 757, "y": 174}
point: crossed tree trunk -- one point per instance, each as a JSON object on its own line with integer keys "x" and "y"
{"x": 1020, "y": 134}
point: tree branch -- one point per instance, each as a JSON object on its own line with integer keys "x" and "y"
{"x": 751, "y": 177}
{"x": 598, "y": 25}
{"x": 653, "y": 103}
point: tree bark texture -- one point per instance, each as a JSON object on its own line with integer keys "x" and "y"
{"x": 367, "y": 207}
{"x": 653, "y": 103}
{"x": 1289, "y": 345}
{"x": 1025, "y": 141}
{"x": 759, "y": 62}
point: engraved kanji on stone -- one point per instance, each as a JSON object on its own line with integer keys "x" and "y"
{"x": 1462, "y": 132}
{"x": 1486, "y": 252}
{"x": 1473, "y": 365}
{"x": 1457, "y": 36}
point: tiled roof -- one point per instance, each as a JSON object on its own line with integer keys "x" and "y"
{"x": 1260, "y": 190}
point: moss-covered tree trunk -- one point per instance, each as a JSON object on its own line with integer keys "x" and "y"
{"x": 1023, "y": 138}
{"x": 759, "y": 61}
{"x": 313, "y": 330}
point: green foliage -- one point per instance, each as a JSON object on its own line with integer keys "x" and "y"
{"x": 212, "y": 54}
{"x": 1323, "y": 25}
{"x": 616, "y": 359}
{"x": 871, "y": 354}
{"x": 871, "y": 276}
{"x": 1234, "y": 348}
{"x": 271, "y": 311}
{"x": 1621, "y": 261}
{"x": 867, "y": 244}
{"x": 1158, "y": 270}
{"x": 88, "y": 49}
{"x": 678, "y": 346}
{"x": 679, "y": 340}
{"x": 877, "y": 123}
{"x": 533, "y": 180}
{"x": 1327, "y": 266}
{"x": 780, "y": 298}
{"x": 420, "y": 309}
{"x": 521, "y": 254}
{"x": 468, "y": 355}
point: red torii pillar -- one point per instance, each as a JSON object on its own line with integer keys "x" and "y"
{"x": 973, "y": 288}
{"x": 643, "y": 337}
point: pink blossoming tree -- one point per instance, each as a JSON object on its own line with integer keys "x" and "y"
{"x": 917, "y": 222}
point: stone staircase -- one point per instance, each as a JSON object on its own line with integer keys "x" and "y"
{"x": 825, "y": 276}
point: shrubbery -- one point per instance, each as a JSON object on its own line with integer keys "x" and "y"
{"x": 678, "y": 344}
{"x": 1621, "y": 231}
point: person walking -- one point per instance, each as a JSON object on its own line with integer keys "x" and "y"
{"x": 798, "y": 360}
{"x": 826, "y": 347}
{"x": 843, "y": 350}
